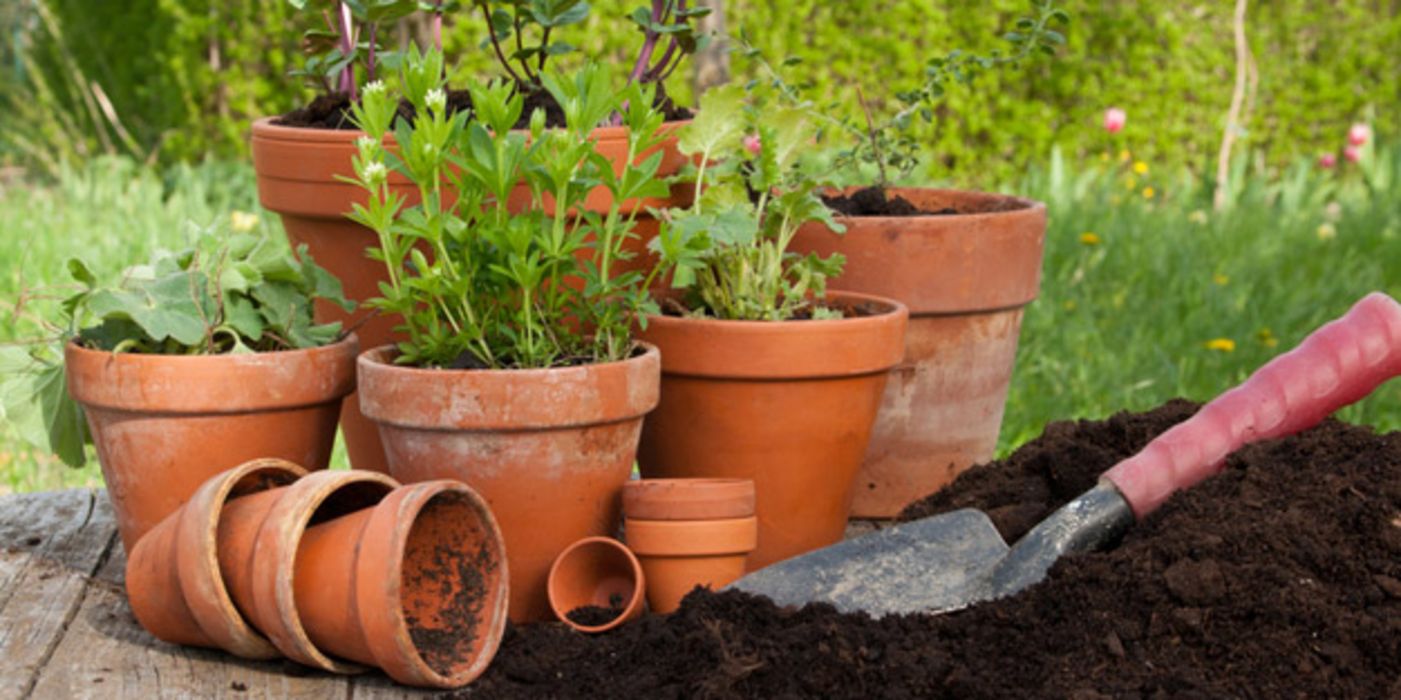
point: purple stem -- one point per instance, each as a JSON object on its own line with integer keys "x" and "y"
{"x": 370, "y": 61}
{"x": 347, "y": 45}
{"x": 438, "y": 24}
{"x": 649, "y": 44}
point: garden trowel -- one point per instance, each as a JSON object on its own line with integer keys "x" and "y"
{"x": 950, "y": 561}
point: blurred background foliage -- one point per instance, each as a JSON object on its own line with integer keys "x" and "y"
{"x": 181, "y": 80}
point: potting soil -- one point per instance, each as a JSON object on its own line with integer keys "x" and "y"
{"x": 1279, "y": 578}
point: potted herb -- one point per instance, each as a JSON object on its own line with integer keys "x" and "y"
{"x": 518, "y": 373}
{"x": 766, "y": 375}
{"x": 301, "y": 158}
{"x": 966, "y": 264}
{"x": 192, "y": 364}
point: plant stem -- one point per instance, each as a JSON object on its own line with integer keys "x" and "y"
{"x": 874, "y": 137}
{"x": 370, "y": 60}
{"x": 496, "y": 44}
{"x": 437, "y": 24}
{"x": 347, "y": 43}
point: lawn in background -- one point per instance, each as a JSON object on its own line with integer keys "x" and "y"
{"x": 1147, "y": 292}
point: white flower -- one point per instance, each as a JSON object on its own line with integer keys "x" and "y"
{"x": 375, "y": 173}
{"x": 364, "y": 143}
{"x": 375, "y": 88}
{"x": 242, "y": 221}
{"x": 437, "y": 100}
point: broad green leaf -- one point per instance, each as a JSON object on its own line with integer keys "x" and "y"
{"x": 719, "y": 125}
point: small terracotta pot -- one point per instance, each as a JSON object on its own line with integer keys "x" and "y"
{"x": 165, "y": 424}
{"x": 549, "y": 449}
{"x": 786, "y": 404}
{"x": 966, "y": 279}
{"x": 416, "y": 586}
{"x": 172, "y": 576}
{"x": 297, "y": 171}
{"x": 258, "y": 546}
{"x": 678, "y": 555}
{"x": 688, "y": 499}
{"x": 597, "y": 571}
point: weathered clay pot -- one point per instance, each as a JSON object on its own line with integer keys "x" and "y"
{"x": 424, "y": 573}
{"x": 966, "y": 279}
{"x": 165, "y": 424}
{"x": 549, "y": 449}
{"x": 297, "y": 171}
{"x": 172, "y": 575}
{"x": 688, "y": 533}
{"x": 786, "y": 404}
{"x": 597, "y": 571}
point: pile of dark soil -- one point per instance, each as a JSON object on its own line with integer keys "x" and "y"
{"x": 1279, "y": 578}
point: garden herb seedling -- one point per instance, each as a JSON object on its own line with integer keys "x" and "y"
{"x": 237, "y": 293}
{"x": 669, "y": 19}
{"x": 729, "y": 249}
{"x": 512, "y": 271}
{"x": 336, "y": 49}
{"x": 510, "y": 21}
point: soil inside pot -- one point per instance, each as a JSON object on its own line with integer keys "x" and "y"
{"x": 678, "y": 308}
{"x": 332, "y": 111}
{"x": 875, "y": 201}
{"x": 448, "y": 639}
{"x": 1279, "y": 578}
{"x": 597, "y": 615}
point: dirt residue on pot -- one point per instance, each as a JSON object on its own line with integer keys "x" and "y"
{"x": 456, "y": 578}
{"x": 1279, "y": 578}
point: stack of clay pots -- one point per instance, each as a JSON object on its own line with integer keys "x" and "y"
{"x": 339, "y": 570}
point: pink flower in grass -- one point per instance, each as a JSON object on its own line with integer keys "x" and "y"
{"x": 1352, "y": 153}
{"x": 1358, "y": 134}
{"x": 1327, "y": 161}
{"x": 1114, "y": 119}
{"x": 753, "y": 144}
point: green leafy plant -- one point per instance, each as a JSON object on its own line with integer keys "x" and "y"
{"x": 509, "y": 270}
{"x": 516, "y": 21}
{"x": 236, "y": 293}
{"x": 729, "y": 249}
{"x": 348, "y": 35}
{"x": 888, "y": 142}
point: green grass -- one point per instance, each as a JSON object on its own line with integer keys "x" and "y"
{"x": 1120, "y": 324}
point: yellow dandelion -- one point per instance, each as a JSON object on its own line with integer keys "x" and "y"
{"x": 1089, "y": 238}
{"x": 1267, "y": 338}
{"x": 1148, "y": 192}
{"x": 242, "y": 221}
{"x": 1140, "y": 167}
{"x": 1221, "y": 345}
{"x": 1125, "y": 156}
{"x": 1197, "y": 217}
{"x": 1326, "y": 231}
{"x": 1220, "y": 280}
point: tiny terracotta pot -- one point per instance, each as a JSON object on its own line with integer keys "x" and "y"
{"x": 165, "y": 424}
{"x": 173, "y": 580}
{"x": 787, "y": 404}
{"x": 258, "y": 546}
{"x": 297, "y": 171}
{"x": 599, "y": 572}
{"x": 549, "y": 449}
{"x": 678, "y": 555}
{"x": 688, "y": 499}
{"x": 966, "y": 278}
{"x": 427, "y": 585}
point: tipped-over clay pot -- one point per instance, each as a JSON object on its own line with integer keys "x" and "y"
{"x": 599, "y": 572}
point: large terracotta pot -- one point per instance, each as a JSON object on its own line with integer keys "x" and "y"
{"x": 296, "y": 173}
{"x": 966, "y": 279}
{"x": 786, "y": 404}
{"x": 548, "y": 449}
{"x": 165, "y": 424}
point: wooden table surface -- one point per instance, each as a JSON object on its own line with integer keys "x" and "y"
{"x": 66, "y": 630}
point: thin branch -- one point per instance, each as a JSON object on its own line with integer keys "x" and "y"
{"x": 1223, "y": 159}
{"x": 496, "y": 44}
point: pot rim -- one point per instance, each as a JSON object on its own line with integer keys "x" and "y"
{"x": 388, "y": 530}
{"x": 524, "y": 393}
{"x": 701, "y": 498}
{"x": 1025, "y": 205}
{"x": 184, "y": 384}
{"x": 893, "y": 307}
{"x": 692, "y": 538}
{"x": 275, "y": 558}
{"x": 267, "y": 129}
{"x": 639, "y": 581}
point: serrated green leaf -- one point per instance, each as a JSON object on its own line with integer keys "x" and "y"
{"x": 719, "y": 125}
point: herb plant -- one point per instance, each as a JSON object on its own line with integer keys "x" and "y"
{"x": 351, "y": 37}
{"x": 519, "y": 33}
{"x": 237, "y": 293}
{"x": 669, "y": 20}
{"x": 509, "y": 270}
{"x": 729, "y": 249}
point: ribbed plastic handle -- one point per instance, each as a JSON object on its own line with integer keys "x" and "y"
{"x": 1337, "y": 365}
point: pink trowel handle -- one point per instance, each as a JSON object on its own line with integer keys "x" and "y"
{"x": 1338, "y": 364}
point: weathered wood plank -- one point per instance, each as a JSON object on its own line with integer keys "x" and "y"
{"x": 105, "y": 654}
{"x": 377, "y": 686}
{"x": 50, "y": 544}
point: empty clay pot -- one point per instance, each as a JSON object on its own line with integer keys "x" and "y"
{"x": 424, "y": 573}
{"x": 599, "y": 572}
{"x": 172, "y": 576}
{"x": 165, "y": 424}
{"x": 787, "y": 404}
{"x": 966, "y": 278}
{"x": 688, "y": 499}
{"x": 678, "y": 555}
{"x": 549, "y": 449}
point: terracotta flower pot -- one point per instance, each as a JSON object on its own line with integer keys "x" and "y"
{"x": 966, "y": 279}
{"x": 425, "y": 574}
{"x": 597, "y": 572}
{"x": 549, "y": 449}
{"x": 786, "y": 404}
{"x": 296, "y": 173}
{"x": 688, "y": 499}
{"x": 172, "y": 576}
{"x": 678, "y": 555}
{"x": 165, "y": 424}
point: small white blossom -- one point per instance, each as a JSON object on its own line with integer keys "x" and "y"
{"x": 375, "y": 88}
{"x": 437, "y": 100}
{"x": 364, "y": 143}
{"x": 375, "y": 173}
